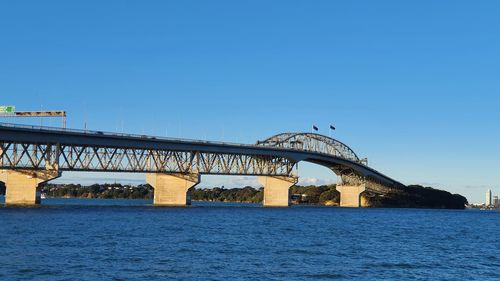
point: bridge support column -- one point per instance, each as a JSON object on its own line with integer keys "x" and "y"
{"x": 21, "y": 185}
{"x": 172, "y": 189}
{"x": 350, "y": 195}
{"x": 277, "y": 190}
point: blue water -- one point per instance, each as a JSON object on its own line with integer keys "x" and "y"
{"x": 89, "y": 239}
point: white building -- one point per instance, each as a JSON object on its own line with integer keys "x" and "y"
{"x": 488, "y": 199}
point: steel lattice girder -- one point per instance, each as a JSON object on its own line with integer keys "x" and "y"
{"x": 312, "y": 142}
{"x": 31, "y": 147}
{"x": 321, "y": 144}
{"x": 95, "y": 158}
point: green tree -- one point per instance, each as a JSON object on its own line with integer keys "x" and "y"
{"x": 329, "y": 195}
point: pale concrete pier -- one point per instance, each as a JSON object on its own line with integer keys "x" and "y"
{"x": 172, "y": 189}
{"x": 21, "y": 185}
{"x": 277, "y": 190}
{"x": 174, "y": 165}
{"x": 350, "y": 195}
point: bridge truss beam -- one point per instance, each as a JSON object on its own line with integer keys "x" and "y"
{"x": 35, "y": 149}
{"x": 312, "y": 142}
{"x": 38, "y": 156}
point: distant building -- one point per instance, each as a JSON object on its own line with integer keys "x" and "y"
{"x": 495, "y": 202}
{"x": 488, "y": 199}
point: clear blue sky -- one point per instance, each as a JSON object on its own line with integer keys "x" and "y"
{"x": 412, "y": 85}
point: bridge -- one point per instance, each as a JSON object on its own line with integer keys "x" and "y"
{"x": 31, "y": 155}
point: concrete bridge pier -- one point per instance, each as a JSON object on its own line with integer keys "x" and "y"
{"x": 172, "y": 189}
{"x": 21, "y": 185}
{"x": 350, "y": 195}
{"x": 277, "y": 190}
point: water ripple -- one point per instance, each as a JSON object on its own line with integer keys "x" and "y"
{"x": 79, "y": 242}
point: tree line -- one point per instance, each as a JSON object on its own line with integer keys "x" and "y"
{"x": 412, "y": 196}
{"x": 248, "y": 194}
{"x": 103, "y": 191}
{"x": 417, "y": 196}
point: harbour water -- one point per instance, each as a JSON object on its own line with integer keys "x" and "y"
{"x": 91, "y": 239}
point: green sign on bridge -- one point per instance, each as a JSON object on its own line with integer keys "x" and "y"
{"x": 7, "y": 109}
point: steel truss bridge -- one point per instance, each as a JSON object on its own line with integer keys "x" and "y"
{"x": 42, "y": 148}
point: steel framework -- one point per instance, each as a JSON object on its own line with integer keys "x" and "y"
{"x": 53, "y": 113}
{"x": 116, "y": 159}
{"x": 312, "y": 142}
{"x": 41, "y": 148}
{"x": 324, "y": 145}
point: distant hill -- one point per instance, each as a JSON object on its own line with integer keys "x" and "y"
{"x": 416, "y": 196}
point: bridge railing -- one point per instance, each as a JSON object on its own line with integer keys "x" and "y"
{"x": 279, "y": 145}
{"x": 115, "y": 134}
{"x": 32, "y": 151}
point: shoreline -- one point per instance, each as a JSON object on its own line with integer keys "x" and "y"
{"x": 293, "y": 204}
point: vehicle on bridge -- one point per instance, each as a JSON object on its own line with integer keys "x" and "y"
{"x": 31, "y": 155}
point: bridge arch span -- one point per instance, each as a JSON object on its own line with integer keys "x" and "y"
{"x": 45, "y": 152}
{"x": 312, "y": 142}
{"x": 333, "y": 154}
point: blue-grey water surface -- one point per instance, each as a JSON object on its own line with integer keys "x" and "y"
{"x": 90, "y": 239}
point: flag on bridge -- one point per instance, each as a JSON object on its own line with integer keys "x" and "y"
{"x": 331, "y": 127}
{"x": 315, "y": 128}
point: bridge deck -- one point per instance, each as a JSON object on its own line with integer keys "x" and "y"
{"x": 10, "y": 133}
